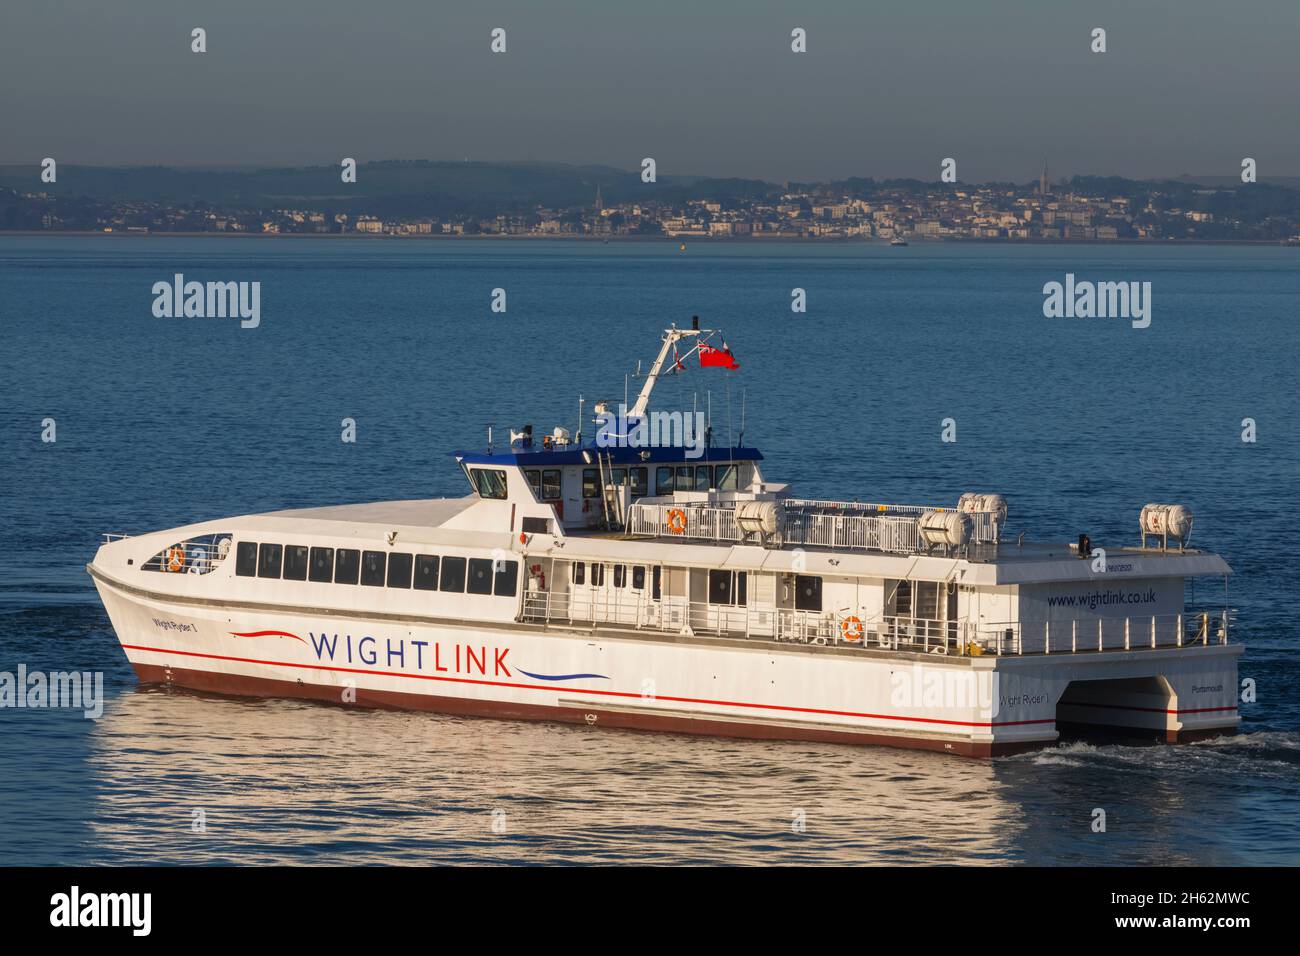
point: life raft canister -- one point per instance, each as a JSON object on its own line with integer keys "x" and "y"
{"x": 677, "y": 521}
{"x": 175, "y": 558}
{"x": 851, "y": 629}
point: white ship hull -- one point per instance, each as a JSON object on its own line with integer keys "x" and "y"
{"x": 975, "y": 706}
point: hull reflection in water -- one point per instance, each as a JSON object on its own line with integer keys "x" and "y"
{"x": 292, "y": 782}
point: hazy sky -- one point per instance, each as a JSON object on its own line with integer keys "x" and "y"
{"x": 707, "y": 87}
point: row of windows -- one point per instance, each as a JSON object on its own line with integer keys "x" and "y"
{"x": 546, "y": 483}
{"x": 695, "y": 478}
{"x": 725, "y": 587}
{"x": 622, "y": 578}
{"x": 423, "y": 572}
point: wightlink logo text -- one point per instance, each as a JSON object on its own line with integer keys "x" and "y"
{"x": 1100, "y": 300}
{"x": 76, "y": 690}
{"x": 655, "y": 430}
{"x": 209, "y": 300}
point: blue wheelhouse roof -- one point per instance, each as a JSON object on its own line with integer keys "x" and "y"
{"x": 536, "y": 457}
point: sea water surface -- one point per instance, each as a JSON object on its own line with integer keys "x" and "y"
{"x": 1079, "y": 422}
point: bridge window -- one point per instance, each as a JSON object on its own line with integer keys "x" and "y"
{"x": 534, "y": 481}
{"x": 246, "y": 559}
{"x": 322, "y": 565}
{"x": 663, "y": 481}
{"x": 295, "y": 562}
{"x": 480, "y": 576}
{"x": 551, "y": 489}
{"x": 426, "y": 572}
{"x": 726, "y": 478}
{"x": 506, "y": 580}
{"x": 372, "y": 568}
{"x": 399, "y": 570}
{"x": 347, "y": 566}
{"x": 269, "y": 559}
{"x": 703, "y": 477}
{"x": 590, "y": 483}
{"x": 640, "y": 480}
{"x": 453, "y": 575}
{"x": 807, "y": 592}
{"x": 490, "y": 482}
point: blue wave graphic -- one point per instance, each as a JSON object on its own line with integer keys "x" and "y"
{"x": 560, "y": 676}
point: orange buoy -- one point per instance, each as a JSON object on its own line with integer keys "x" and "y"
{"x": 851, "y": 629}
{"x": 175, "y": 558}
{"x": 677, "y": 521}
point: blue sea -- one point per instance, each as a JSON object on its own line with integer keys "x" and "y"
{"x": 1079, "y": 422}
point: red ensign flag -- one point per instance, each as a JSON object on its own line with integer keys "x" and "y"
{"x": 722, "y": 357}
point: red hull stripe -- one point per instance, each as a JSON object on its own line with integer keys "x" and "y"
{"x": 602, "y": 693}
{"x": 267, "y": 634}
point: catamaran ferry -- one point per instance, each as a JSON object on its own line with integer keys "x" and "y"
{"x": 635, "y": 585}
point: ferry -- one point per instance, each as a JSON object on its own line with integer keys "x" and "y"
{"x": 608, "y": 582}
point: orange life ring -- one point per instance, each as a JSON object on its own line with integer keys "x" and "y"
{"x": 851, "y": 629}
{"x": 677, "y": 521}
{"x": 175, "y": 558}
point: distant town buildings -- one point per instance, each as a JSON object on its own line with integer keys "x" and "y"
{"x": 1039, "y": 211}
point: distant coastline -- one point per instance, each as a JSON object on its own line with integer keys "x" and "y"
{"x": 669, "y": 240}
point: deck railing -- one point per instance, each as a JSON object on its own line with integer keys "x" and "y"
{"x": 852, "y": 526}
{"x": 676, "y": 615}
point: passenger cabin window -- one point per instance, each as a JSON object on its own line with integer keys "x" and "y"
{"x": 620, "y": 576}
{"x": 399, "y": 570}
{"x": 728, "y": 587}
{"x": 490, "y": 482}
{"x": 506, "y": 583}
{"x": 295, "y": 562}
{"x": 597, "y": 575}
{"x": 638, "y": 577}
{"x": 807, "y": 592}
{"x": 347, "y": 566}
{"x": 453, "y": 575}
{"x": 579, "y": 572}
{"x": 246, "y": 559}
{"x": 480, "y": 576}
{"x": 322, "y": 565}
{"x": 536, "y": 526}
{"x": 654, "y": 587}
{"x": 269, "y": 558}
{"x": 372, "y": 568}
{"x": 426, "y": 572}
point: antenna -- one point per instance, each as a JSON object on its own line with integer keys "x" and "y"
{"x": 742, "y": 415}
{"x": 579, "y": 430}
{"x": 489, "y": 439}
